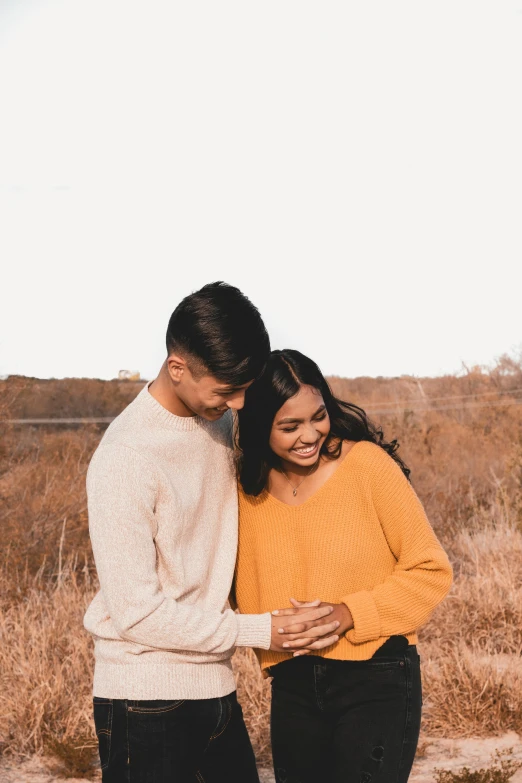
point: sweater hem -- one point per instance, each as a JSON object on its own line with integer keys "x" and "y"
{"x": 343, "y": 650}
{"x": 163, "y": 681}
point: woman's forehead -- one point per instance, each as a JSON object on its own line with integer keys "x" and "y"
{"x": 303, "y": 404}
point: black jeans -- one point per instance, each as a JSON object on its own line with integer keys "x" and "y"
{"x": 198, "y": 741}
{"x": 346, "y": 721}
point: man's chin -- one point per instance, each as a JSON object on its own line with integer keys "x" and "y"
{"x": 211, "y": 414}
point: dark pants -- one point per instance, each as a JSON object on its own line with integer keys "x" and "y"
{"x": 346, "y": 721}
{"x": 200, "y": 741}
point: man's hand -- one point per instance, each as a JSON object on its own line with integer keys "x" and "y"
{"x": 310, "y": 624}
{"x": 301, "y": 637}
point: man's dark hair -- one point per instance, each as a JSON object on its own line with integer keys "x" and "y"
{"x": 220, "y": 332}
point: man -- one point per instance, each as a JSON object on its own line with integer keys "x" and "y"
{"x": 162, "y": 503}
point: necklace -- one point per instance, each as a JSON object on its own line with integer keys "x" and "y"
{"x": 294, "y": 489}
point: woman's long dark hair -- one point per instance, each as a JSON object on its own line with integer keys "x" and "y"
{"x": 285, "y": 373}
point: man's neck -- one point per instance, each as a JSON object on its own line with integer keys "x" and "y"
{"x": 163, "y": 391}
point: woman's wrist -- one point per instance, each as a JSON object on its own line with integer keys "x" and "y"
{"x": 345, "y": 619}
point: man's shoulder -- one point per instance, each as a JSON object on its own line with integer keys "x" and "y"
{"x": 129, "y": 426}
{"x": 125, "y": 435}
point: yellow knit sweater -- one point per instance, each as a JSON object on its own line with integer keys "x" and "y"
{"x": 363, "y": 539}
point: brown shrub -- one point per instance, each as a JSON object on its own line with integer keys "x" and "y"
{"x": 469, "y": 693}
{"x": 501, "y": 770}
{"x": 71, "y": 397}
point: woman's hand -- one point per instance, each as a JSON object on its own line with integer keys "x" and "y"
{"x": 310, "y": 624}
{"x": 304, "y": 639}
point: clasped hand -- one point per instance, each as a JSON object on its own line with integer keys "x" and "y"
{"x": 314, "y": 625}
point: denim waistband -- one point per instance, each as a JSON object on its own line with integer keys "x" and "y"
{"x": 303, "y": 662}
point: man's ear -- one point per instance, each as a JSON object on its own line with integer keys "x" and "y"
{"x": 176, "y": 366}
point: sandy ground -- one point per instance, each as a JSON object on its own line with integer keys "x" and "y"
{"x": 435, "y": 753}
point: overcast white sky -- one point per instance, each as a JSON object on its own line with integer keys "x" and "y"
{"x": 355, "y": 167}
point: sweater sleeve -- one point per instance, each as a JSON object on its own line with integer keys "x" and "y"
{"x": 422, "y": 574}
{"x": 121, "y": 492}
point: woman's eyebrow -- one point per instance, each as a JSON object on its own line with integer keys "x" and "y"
{"x": 320, "y": 409}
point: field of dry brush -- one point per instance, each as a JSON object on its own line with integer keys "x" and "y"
{"x": 462, "y": 438}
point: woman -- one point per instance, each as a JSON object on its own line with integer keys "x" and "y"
{"x": 327, "y": 512}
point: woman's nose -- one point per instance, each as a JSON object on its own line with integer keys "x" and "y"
{"x": 310, "y": 434}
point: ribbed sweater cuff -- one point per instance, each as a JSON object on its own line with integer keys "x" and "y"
{"x": 255, "y": 630}
{"x": 366, "y": 620}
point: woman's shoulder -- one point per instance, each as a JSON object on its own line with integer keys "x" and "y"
{"x": 372, "y": 458}
{"x": 249, "y": 501}
{"x": 361, "y": 450}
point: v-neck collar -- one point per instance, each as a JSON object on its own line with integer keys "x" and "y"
{"x": 317, "y": 492}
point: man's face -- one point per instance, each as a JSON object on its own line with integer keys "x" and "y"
{"x": 207, "y": 397}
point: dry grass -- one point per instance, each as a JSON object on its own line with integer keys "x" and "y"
{"x": 254, "y": 695}
{"x": 467, "y": 468}
{"x": 42, "y": 501}
{"x": 473, "y": 642}
{"x": 45, "y": 662}
{"x": 484, "y": 609}
{"x": 469, "y": 694}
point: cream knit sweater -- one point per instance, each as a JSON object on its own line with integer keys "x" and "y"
{"x": 162, "y": 501}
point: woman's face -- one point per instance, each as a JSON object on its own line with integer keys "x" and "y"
{"x": 300, "y": 428}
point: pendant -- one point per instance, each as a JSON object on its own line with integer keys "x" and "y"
{"x": 295, "y": 492}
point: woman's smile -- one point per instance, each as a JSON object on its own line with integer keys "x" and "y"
{"x": 305, "y": 452}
